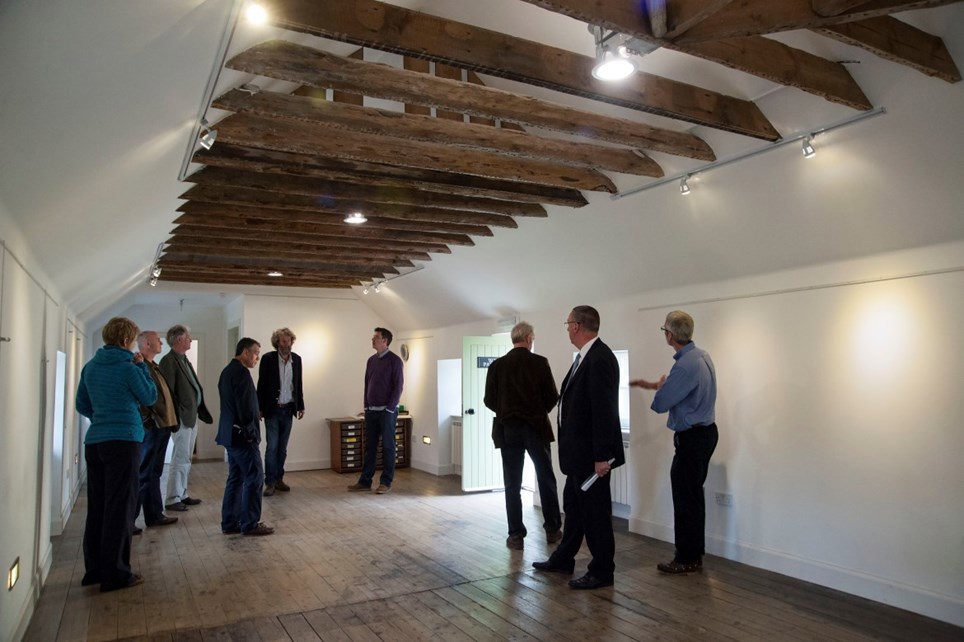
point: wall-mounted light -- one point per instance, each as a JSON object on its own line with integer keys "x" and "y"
{"x": 426, "y": 439}
{"x": 356, "y": 218}
{"x": 684, "y": 187}
{"x": 808, "y": 150}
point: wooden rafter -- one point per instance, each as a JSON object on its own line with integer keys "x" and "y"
{"x": 670, "y": 19}
{"x": 297, "y": 63}
{"x": 333, "y": 235}
{"x": 383, "y": 122}
{"x": 283, "y": 247}
{"x": 834, "y": 7}
{"x": 383, "y": 176}
{"x": 758, "y": 56}
{"x": 758, "y": 17}
{"x": 305, "y": 138}
{"x": 391, "y": 28}
{"x": 898, "y": 42}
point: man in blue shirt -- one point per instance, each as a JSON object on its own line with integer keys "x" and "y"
{"x": 689, "y": 395}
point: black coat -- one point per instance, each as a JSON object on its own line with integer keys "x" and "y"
{"x": 269, "y": 384}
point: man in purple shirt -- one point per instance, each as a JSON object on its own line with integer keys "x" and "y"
{"x": 383, "y": 389}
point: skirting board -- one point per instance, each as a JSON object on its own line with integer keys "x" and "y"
{"x": 946, "y": 608}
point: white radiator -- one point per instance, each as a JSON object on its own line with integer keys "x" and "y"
{"x": 456, "y": 432}
{"x": 620, "y": 482}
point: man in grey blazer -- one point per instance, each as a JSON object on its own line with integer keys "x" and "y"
{"x": 590, "y": 442}
{"x": 189, "y": 404}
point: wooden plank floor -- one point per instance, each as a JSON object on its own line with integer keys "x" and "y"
{"x": 423, "y": 562}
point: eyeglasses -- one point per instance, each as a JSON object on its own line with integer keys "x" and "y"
{"x": 663, "y": 328}
{"x": 568, "y": 323}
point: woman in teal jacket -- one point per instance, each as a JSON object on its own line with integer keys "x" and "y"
{"x": 112, "y": 386}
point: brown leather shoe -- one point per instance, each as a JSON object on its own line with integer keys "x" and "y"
{"x": 358, "y": 487}
{"x": 260, "y": 529}
{"x": 382, "y": 489}
{"x": 515, "y": 542}
{"x": 268, "y": 490}
{"x": 554, "y": 536}
{"x": 282, "y": 486}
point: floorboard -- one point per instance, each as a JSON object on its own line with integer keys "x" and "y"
{"x": 424, "y": 562}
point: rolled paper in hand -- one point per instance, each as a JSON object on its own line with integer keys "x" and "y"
{"x": 592, "y": 478}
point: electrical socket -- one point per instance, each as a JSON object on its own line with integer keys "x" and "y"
{"x": 724, "y": 499}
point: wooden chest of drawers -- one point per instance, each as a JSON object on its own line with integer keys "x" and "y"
{"x": 348, "y": 443}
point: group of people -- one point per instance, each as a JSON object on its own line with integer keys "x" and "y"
{"x": 521, "y": 390}
{"x": 136, "y": 406}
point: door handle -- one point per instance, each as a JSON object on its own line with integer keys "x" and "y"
{"x": 470, "y": 411}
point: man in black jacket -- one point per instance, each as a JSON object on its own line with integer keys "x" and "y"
{"x": 280, "y": 397}
{"x": 590, "y": 443}
{"x": 520, "y": 389}
{"x": 239, "y": 431}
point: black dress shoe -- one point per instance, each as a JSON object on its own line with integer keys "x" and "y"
{"x": 178, "y": 507}
{"x": 590, "y": 581}
{"x": 549, "y": 567}
{"x": 137, "y": 530}
{"x": 676, "y": 568}
{"x": 163, "y": 521}
{"x": 190, "y": 501}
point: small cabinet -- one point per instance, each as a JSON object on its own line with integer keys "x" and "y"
{"x": 348, "y": 443}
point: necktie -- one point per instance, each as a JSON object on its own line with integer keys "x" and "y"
{"x": 575, "y": 364}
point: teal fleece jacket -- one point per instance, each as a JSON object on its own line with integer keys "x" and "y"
{"x": 111, "y": 388}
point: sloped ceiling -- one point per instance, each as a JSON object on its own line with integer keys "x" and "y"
{"x": 508, "y": 208}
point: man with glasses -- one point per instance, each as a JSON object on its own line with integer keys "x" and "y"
{"x": 688, "y": 394}
{"x": 590, "y": 443}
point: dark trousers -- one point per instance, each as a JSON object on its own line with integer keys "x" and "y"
{"x": 522, "y": 438}
{"x": 152, "y": 465}
{"x": 241, "y": 506}
{"x": 379, "y": 424}
{"x": 694, "y": 447}
{"x": 111, "y": 501}
{"x": 589, "y": 514}
{"x": 277, "y": 430}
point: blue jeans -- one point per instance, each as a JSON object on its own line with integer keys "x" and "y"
{"x": 277, "y": 430}
{"x": 152, "y": 465}
{"x": 241, "y": 506}
{"x": 379, "y": 424}
{"x": 521, "y": 438}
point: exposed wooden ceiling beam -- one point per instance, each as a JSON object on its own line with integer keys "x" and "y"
{"x": 383, "y": 176}
{"x": 391, "y": 28}
{"x": 383, "y": 122}
{"x": 761, "y": 57}
{"x": 670, "y": 19}
{"x": 281, "y": 221}
{"x": 898, "y": 42}
{"x": 285, "y": 258}
{"x": 362, "y": 194}
{"x": 368, "y": 234}
{"x": 282, "y": 247}
{"x": 304, "y": 138}
{"x": 193, "y": 276}
{"x": 834, "y": 7}
{"x": 297, "y": 63}
{"x": 209, "y": 263}
{"x": 191, "y": 233}
{"x": 335, "y": 211}
{"x": 759, "y": 17}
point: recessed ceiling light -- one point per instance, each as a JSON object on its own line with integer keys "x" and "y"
{"x": 356, "y": 218}
{"x": 275, "y": 273}
{"x": 256, "y": 14}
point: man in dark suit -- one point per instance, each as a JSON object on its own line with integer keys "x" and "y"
{"x": 520, "y": 389}
{"x": 280, "y": 398}
{"x": 239, "y": 431}
{"x": 590, "y": 443}
{"x": 189, "y": 402}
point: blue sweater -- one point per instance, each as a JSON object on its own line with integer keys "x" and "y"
{"x": 111, "y": 388}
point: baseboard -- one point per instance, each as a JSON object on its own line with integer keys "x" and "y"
{"x": 946, "y": 608}
{"x": 311, "y": 464}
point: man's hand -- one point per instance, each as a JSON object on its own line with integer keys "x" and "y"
{"x": 602, "y": 468}
{"x": 301, "y": 413}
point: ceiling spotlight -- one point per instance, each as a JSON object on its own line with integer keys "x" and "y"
{"x": 275, "y": 273}
{"x": 256, "y": 13}
{"x": 153, "y": 281}
{"x": 808, "y": 150}
{"x": 156, "y": 272}
{"x": 684, "y": 187}
{"x": 208, "y": 136}
{"x": 378, "y": 288}
{"x": 612, "y": 63}
{"x": 356, "y": 218}
{"x": 365, "y": 290}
